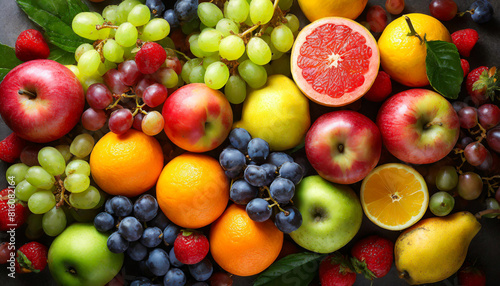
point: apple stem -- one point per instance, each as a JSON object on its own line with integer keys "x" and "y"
{"x": 430, "y": 124}
{"x": 29, "y": 93}
{"x": 340, "y": 147}
{"x": 413, "y": 32}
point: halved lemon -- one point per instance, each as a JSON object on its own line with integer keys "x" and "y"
{"x": 394, "y": 196}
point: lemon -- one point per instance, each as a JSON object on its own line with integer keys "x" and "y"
{"x": 403, "y": 56}
{"x": 316, "y": 9}
{"x": 278, "y": 112}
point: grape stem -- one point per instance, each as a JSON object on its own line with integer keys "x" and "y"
{"x": 106, "y": 25}
{"x": 482, "y": 131}
{"x": 412, "y": 30}
{"x": 60, "y": 190}
{"x": 249, "y": 30}
{"x": 182, "y": 54}
{"x": 275, "y": 203}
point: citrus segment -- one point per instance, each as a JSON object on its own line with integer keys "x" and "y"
{"x": 334, "y": 61}
{"x": 394, "y": 196}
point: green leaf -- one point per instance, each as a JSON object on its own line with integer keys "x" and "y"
{"x": 296, "y": 269}
{"x": 55, "y": 17}
{"x": 444, "y": 70}
{"x": 61, "y": 56}
{"x": 8, "y": 60}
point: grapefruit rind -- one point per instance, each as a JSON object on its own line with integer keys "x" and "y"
{"x": 335, "y": 75}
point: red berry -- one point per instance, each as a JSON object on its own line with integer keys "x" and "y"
{"x": 377, "y": 18}
{"x": 471, "y": 276}
{"x": 381, "y": 88}
{"x": 394, "y": 6}
{"x": 11, "y": 147}
{"x": 465, "y": 40}
{"x": 479, "y": 97}
{"x": 11, "y": 218}
{"x": 334, "y": 271}
{"x": 6, "y": 252}
{"x": 32, "y": 257}
{"x": 443, "y": 10}
{"x": 150, "y": 57}
{"x": 373, "y": 256}
{"x": 221, "y": 279}
{"x": 190, "y": 247}
{"x": 30, "y": 45}
{"x": 465, "y": 66}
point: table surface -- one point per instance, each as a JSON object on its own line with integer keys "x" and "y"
{"x": 485, "y": 247}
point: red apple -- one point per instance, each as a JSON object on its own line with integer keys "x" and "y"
{"x": 41, "y": 100}
{"x": 418, "y": 126}
{"x": 197, "y": 118}
{"x": 343, "y": 146}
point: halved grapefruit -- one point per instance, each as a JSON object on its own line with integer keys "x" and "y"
{"x": 334, "y": 61}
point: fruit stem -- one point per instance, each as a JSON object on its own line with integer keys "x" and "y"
{"x": 249, "y": 30}
{"x": 29, "y": 93}
{"x": 106, "y": 25}
{"x": 412, "y": 30}
{"x": 480, "y": 214}
{"x": 275, "y": 203}
{"x": 430, "y": 124}
{"x": 404, "y": 275}
{"x": 182, "y": 54}
{"x": 60, "y": 190}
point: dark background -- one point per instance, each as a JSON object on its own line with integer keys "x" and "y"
{"x": 485, "y": 247}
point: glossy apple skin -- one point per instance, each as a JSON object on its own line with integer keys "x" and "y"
{"x": 343, "y": 146}
{"x": 54, "y": 111}
{"x": 197, "y": 118}
{"x": 418, "y": 126}
{"x": 331, "y": 215}
{"x": 84, "y": 249}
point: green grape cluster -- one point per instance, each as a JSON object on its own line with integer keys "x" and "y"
{"x": 117, "y": 33}
{"x": 61, "y": 181}
{"x": 240, "y": 45}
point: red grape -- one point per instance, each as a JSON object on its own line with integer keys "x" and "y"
{"x": 120, "y": 121}
{"x": 458, "y": 105}
{"x": 130, "y": 72}
{"x": 493, "y": 139}
{"x": 221, "y": 279}
{"x": 152, "y": 123}
{"x": 487, "y": 164}
{"x": 142, "y": 84}
{"x": 464, "y": 141}
{"x": 154, "y": 95}
{"x": 377, "y": 18}
{"x": 166, "y": 76}
{"x": 497, "y": 195}
{"x": 175, "y": 64}
{"x": 5, "y": 253}
{"x": 489, "y": 115}
{"x": 475, "y": 153}
{"x": 443, "y": 10}
{"x": 98, "y": 96}
{"x": 113, "y": 79}
{"x": 394, "y": 6}
{"x": 470, "y": 185}
{"x": 468, "y": 117}
{"x": 138, "y": 121}
{"x": 93, "y": 119}
{"x": 29, "y": 154}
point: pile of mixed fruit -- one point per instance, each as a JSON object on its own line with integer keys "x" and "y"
{"x": 201, "y": 142}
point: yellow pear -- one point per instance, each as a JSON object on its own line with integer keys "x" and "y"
{"x": 434, "y": 248}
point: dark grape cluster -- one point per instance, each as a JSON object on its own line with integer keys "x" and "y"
{"x": 144, "y": 233}
{"x": 180, "y": 13}
{"x": 262, "y": 179}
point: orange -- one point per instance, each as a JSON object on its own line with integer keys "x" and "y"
{"x": 242, "y": 246}
{"x": 192, "y": 190}
{"x": 127, "y": 164}
{"x": 394, "y": 196}
{"x": 316, "y": 9}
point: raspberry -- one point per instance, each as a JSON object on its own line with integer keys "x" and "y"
{"x": 30, "y": 45}
{"x": 465, "y": 40}
{"x": 150, "y": 57}
{"x": 381, "y": 88}
{"x": 190, "y": 247}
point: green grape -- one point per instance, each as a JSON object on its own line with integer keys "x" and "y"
{"x": 89, "y": 62}
{"x": 249, "y": 22}
{"x": 167, "y": 42}
{"x": 82, "y": 49}
{"x": 34, "y": 229}
{"x": 492, "y": 204}
{"x": 195, "y": 48}
{"x": 285, "y": 4}
{"x": 441, "y": 203}
{"x": 197, "y": 75}
{"x": 209, "y": 14}
{"x": 64, "y": 150}
{"x": 112, "y": 51}
{"x": 261, "y": 11}
{"x": 258, "y": 51}
{"x": 16, "y": 173}
{"x": 231, "y": 47}
{"x": 39, "y": 178}
{"x": 210, "y": 59}
{"x": 227, "y": 27}
{"x": 275, "y": 53}
{"x": 292, "y": 23}
{"x": 74, "y": 69}
{"x": 253, "y": 74}
{"x": 167, "y": 77}
{"x": 216, "y": 75}
{"x": 78, "y": 167}
{"x": 54, "y": 221}
{"x": 85, "y": 200}
{"x": 41, "y": 202}
{"x": 237, "y": 10}
{"x": 282, "y": 65}
{"x": 24, "y": 190}
{"x": 126, "y": 35}
{"x": 155, "y": 30}
{"x": 139, "y": 15}
{"x": 203, "y": 26}
{"x": 209, "y": 40}
{"x": 235, "y": 90}
{"x": 76, "y": 183}
{"x": 128, "y": 52}
{"x": 446, "y": 178}
{"x": 189, "y": 27}
{"x": 243, "y": 58}
{"x": 84, "y": 25}
{"x": 110, "y": 14}
{"x": 87, "y": 81}
{"x": 51, "y": 160}
{"x": 282, "y": 38}
{"x": 188, "y": 67}
{"x": 106, "y": 66}
{"x": 102, "y": 199}
{"x": 126, "y": 6}
{"x": 82, "y": 145}
{"x": 102, "y": 33}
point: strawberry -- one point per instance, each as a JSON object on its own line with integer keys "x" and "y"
{"x": 190, "y": 247}
{"x": 373, "y": 256}
{"x": 381, "y": 88}
{"x": 13, "y": 213}
{"x": 469, "y": 275}
{"x": 31, "y": 257}
{"x": 465, "y": 66}
{"x": 150, "y": 57}
{"x": 481, "y": 84}
{"x": 11, "y": 147}
{"x": 465, "y": 40}
{"x": 30, "y": 45}
{"x": 335, "y": 270}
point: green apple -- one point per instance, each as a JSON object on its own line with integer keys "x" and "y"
{"x": 331, "y": 215}
{"x": 80, "y": 256}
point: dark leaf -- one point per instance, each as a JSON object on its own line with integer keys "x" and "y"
{"x": 444, "y": 70}
{"x": 8, "y": 60}
{"x": 61, "y": 56}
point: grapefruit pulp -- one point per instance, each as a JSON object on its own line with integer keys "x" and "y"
{"x": 334, "y": 61}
